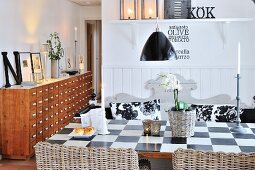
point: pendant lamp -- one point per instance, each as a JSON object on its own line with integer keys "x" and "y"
{"x": 158, "y": 48}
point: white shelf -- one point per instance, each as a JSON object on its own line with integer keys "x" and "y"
{"x": 226, "y": 20}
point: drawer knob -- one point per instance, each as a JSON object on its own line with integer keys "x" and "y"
{"x": 33, "y": 136}
{"x": 34, "y": 125}
{"x": 34, "y": 93}
{"x": 34, "y": 104}
{"x": 34, "y": 115}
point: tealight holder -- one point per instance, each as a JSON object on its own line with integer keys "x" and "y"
{"x": 155, "y": 128}
{"x": 147, "y": 126}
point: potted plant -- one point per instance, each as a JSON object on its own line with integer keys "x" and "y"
{"x": 55, "y": 53}
{"x": 181, "y": 117}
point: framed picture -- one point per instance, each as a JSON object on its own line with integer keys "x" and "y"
{"x": 37, "y": 65}
{"x": 26, "y": 66}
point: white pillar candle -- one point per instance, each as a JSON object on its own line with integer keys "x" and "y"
{"x": 238, "y": 58}
{"x": 75, "y": 33}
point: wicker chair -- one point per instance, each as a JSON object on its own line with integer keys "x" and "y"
{"x": 202, "y": 160}
{"x": 60, "y": 157}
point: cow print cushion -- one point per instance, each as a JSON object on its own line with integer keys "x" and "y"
{"x": 217, "y": 113}
{"x": 136, "y": 110}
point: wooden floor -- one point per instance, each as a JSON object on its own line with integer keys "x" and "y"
{"x": 18, "y": 164}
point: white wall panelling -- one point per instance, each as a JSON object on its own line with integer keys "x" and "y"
{"x": 210, "y": 81}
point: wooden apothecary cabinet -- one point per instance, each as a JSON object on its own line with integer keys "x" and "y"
{"x": 33, "y": 114}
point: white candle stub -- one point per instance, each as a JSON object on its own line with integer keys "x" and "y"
{"x": 75, "y": 33}
{"x": 239, "y": 58}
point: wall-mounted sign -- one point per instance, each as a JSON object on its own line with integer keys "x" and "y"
{"x": 201, "y": 12}
{"x": 180, "y": 34}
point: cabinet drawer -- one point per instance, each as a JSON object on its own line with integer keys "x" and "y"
{"x": 32, "y": 94}
{"x": 45, "y": 89}
{"x": 39, "y": 111}
{"x": 51, "y": 125}
{"x": 51, "y": 97}
{"x": 33, "y": 125}
{"x": 39, "y": 102}
{"x": 33, "y": 113}
{"x": 39, "y": 131}
{"x": 45, "y": 99}
{"x": 39, "y": 122}
{"x": 33, "y": 136}
{"x": 45, "y": 119}
{"x": 45, "y": 109}
{"x": 39, "y": 92}
{"x": 56, "y": 86}
{"x": 51, "y": 88}
{"x": 31, "y": 146}
{"x": 33, "y": 105}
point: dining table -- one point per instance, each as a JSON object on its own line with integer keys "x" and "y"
{"x": 208, "y": 136}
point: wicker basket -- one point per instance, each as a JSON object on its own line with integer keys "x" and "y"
{"x": 182, "y": 123}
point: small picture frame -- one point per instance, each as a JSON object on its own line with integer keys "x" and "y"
{"x": 37, "y": 65}
{"x": 26, "y": 66}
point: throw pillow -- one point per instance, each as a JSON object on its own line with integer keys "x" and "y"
{"x": 150, "y": 110}
{"x": 126, "y": 111}
{"x": 136, "y": 110}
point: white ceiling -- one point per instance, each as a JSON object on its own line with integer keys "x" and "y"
{"x": 87, "y": 2}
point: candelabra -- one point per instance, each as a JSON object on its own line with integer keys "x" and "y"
{"x": 238, "y": 128}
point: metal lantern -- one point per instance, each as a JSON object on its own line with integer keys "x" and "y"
{"x": 149, "y": 9}
{"x": 128, "y": 9}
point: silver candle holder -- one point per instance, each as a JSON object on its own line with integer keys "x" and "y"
{"x": 238, "y": 128}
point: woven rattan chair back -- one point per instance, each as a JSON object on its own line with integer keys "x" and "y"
{"x": 60, "y": 157}
{"x": 202, "y": 160}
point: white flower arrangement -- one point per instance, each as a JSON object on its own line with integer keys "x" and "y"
{"x": 170, "y": 82}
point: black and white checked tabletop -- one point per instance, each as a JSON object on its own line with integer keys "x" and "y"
{"x": 212, "y": 136}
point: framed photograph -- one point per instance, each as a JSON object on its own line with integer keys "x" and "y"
{"x": 37, "y": 65}
{"x": 26, "y": 66}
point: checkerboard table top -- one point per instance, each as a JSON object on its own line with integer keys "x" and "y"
{"x": 212, "y": 136}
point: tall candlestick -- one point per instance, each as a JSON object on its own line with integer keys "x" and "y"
{"x": 75, "y": 33}
{"x": 102, "y": 98}
{"x": 238, "y": 58}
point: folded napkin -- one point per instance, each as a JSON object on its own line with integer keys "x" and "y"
{"x": 93, "y": 118}
{"x": 85, "y": 120}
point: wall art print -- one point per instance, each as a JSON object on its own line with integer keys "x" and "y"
{"x": 26, "y": 66}
{"x": 37, "y": 68}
